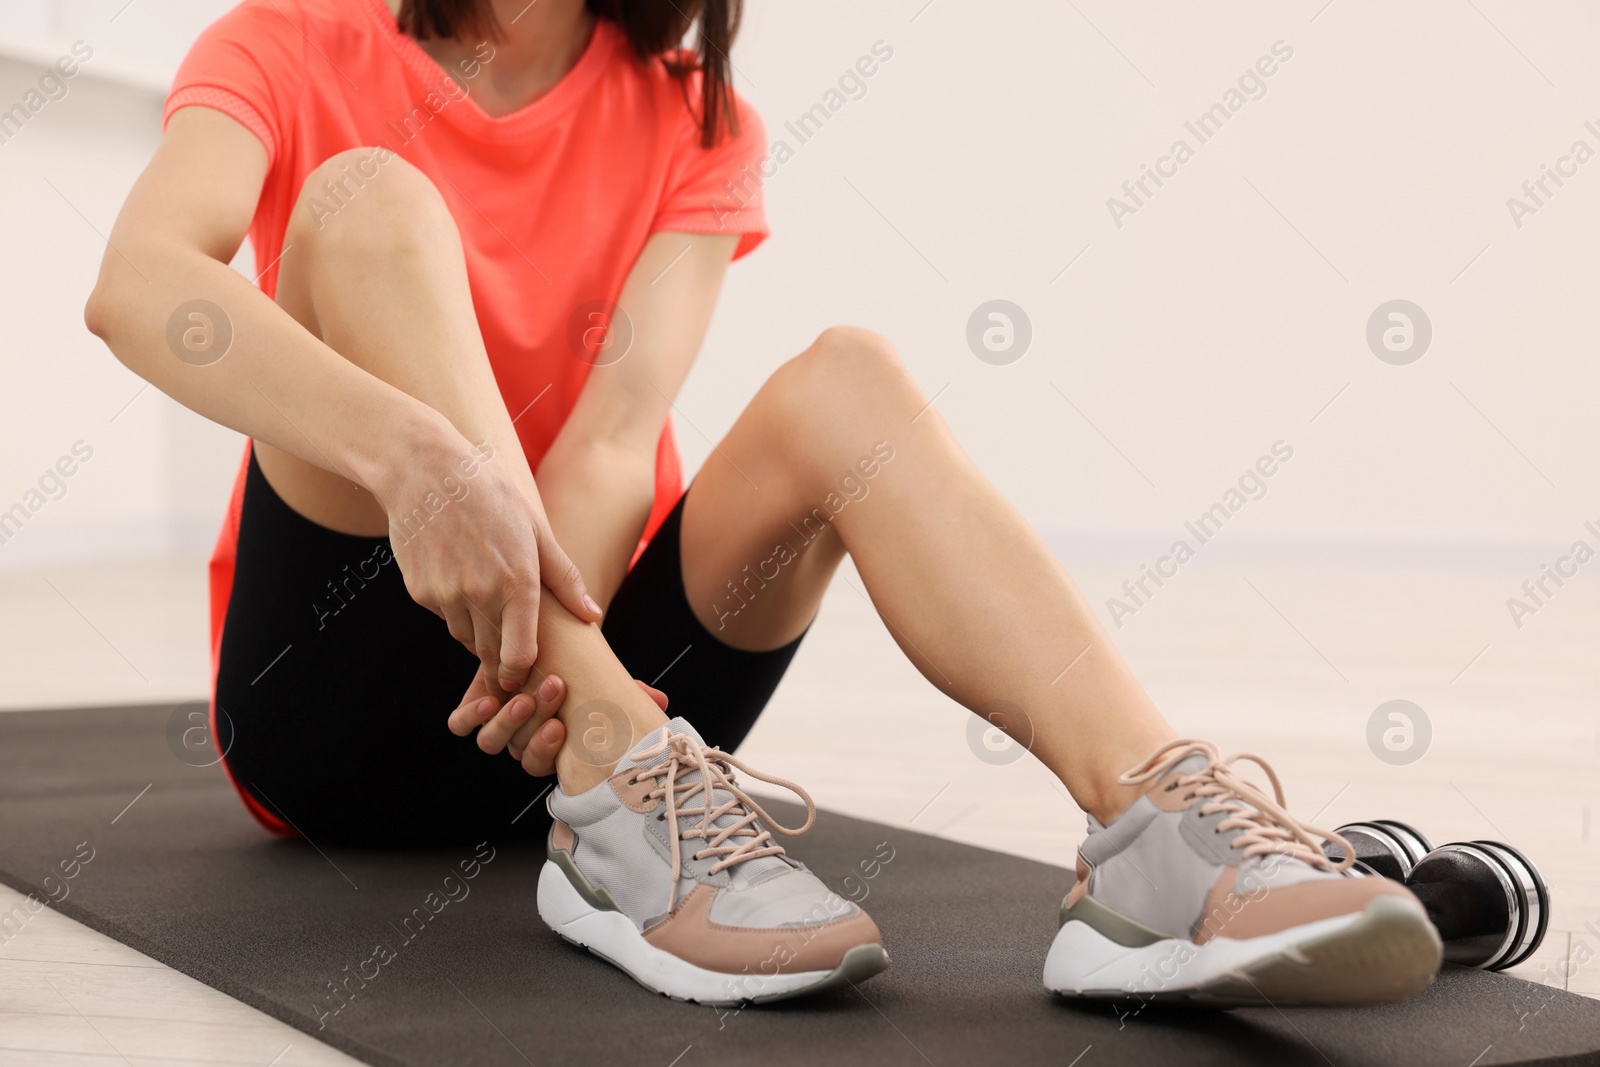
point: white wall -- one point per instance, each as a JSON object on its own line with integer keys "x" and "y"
{"x": 159, "y": 474}
{"x": 1222, "y": 316}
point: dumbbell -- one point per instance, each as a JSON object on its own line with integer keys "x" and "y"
{"x": 1385, "y": 847}
{"x": 1489, "y": 902}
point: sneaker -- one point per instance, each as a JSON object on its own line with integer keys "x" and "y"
{"x": 689, "y": 893}
{"x": 1207, "y": 890}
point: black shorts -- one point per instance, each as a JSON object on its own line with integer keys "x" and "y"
{"x": 333, "y": 686}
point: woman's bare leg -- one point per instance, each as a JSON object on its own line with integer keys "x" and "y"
{"x": 970, "y": 592}
{"x": 383, "y": 282}
{"x": 972, "y": 595}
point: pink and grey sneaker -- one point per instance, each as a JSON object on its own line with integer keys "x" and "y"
{"x": 667, "y": 870}
{"x": 1207, "y": 890}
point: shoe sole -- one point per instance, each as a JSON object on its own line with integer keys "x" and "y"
{"x": 613, "y": 937}
{"x": 1386, "y": 953}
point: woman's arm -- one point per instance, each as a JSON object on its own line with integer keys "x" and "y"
{"x": 183, "y": 221}
{"x": 181, "y": 225}
{"x": 598, "y": 478}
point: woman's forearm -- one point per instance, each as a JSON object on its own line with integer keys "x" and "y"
{"x": 598, "y": 497}
{"x": 204, "y": 335}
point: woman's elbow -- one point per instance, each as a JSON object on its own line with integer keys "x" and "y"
{"x": 119, "y": 290}
{"x": 107, "y": 310}
{"x": 97, "y": 313}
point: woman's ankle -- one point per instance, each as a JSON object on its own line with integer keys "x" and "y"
{"x": 599, "y": 733}
{"x": 1098, "y": 786}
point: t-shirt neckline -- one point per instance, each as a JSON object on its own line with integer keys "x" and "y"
{"x": 469, "y": 112}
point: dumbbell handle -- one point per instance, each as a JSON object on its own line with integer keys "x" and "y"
{"x": 1458, "y": 912}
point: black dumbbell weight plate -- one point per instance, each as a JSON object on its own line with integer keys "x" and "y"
{"x": 1381, "y": 847}
{"x": 1535, "y": 901}
{"x": 1414, "y": 841}
{"x": 1489, "y": 903}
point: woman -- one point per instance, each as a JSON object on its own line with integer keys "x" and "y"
{"x": 489, "y": 236}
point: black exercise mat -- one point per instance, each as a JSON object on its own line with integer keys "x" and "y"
{"x": 184, "y": 875}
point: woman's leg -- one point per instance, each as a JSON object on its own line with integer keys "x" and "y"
{"x": 384, "y": 283}
{"x": 969, "y": 591}
{"x": 350, "y": 757}
{"x": 839, "y": 452}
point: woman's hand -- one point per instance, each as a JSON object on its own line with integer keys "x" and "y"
{"x": 525, "y": 725}
{"x": 475, "y": 547}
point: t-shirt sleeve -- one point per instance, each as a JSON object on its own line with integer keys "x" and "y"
{"x": 718, "y": 189}
{"x": 249, "y": 65}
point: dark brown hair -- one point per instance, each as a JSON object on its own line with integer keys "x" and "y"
{"x": 654, "y": 28}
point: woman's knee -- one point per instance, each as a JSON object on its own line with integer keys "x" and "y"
{"x": 371, "y": 201}
{"x": 845, "y": 351}
{"x": 847, "y": 369}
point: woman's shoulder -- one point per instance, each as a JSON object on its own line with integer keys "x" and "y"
{"x": 671, "y": 81}
{"x": 305, "y": 21}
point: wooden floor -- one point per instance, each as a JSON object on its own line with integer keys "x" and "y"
{"x": 1289, "y": 664}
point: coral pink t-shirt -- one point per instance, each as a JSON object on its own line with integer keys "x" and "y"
{"x": 554, "y": 202}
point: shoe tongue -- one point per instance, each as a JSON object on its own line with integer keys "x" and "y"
{"x": 1188, "y": 765}
{"x": 678, "y": 725}
{"x": 1197, "y": 763}
{"x": 749, "y": 869}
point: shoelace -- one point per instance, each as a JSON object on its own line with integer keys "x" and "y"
{"x": 715, "y": 767}
{"x": 1267, "y": 826}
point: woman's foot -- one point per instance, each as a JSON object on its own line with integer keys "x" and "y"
{"x": 1206, "y": 890}
{"x": 695, "y": 899}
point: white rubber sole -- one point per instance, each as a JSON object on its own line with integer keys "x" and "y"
{"x": 612, "y": 936}
{"x": 1385, "y": 953}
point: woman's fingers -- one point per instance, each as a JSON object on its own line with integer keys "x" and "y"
{"x": 654, "y": 694}
{"x": 518, "y": 639}
{"x": 538, "y": 739}
{"x": 560, "y": 574}
{"x": 539, "y": 757}
{"x": 486, "y": 646}
{"x": 479, "y": 637}
{"x": 505, "y": 646}
{"x": 547, "y": 700}
{"x": 498, "y": 731}
{"x": 472, "y": 714}
{"x": 478, "y": 704}
{"x": 459, "y": 619}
